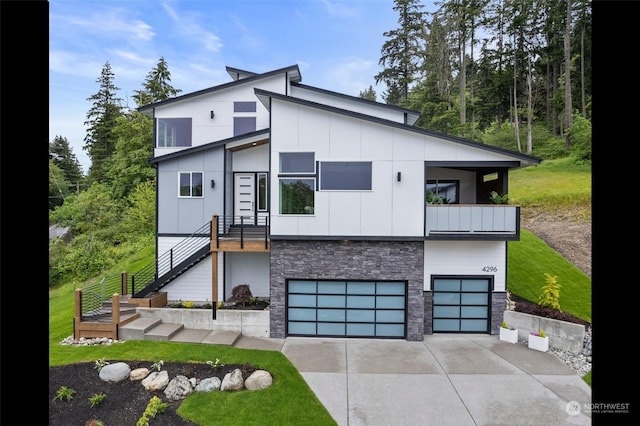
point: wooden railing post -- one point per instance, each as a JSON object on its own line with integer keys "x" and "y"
{"x": 115, "y": 309}
{"x": 124, "y": 283}
{"x": 78, "y": 303}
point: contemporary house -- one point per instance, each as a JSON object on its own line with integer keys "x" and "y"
{"x": 353, "y": 221}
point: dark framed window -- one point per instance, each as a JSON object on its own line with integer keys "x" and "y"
{"x": 173, "y": 132}
{"x": 244, "y": 107}
{"x": 297, "y": 182}
{"x": 242, "y": 125}
{"x": 443, "y": 191}
{"x": 345, "y": 175}
{"x": 190, "y": 184}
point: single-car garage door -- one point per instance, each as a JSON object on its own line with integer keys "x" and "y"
{"x": 461, "y": 305}
{"x": 332, "y": 308}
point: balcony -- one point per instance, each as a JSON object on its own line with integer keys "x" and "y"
{"x": 472, "y": 222}
{"x": 240, "y": 234}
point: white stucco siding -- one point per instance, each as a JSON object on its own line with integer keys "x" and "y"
{"x": 476, "y": 258}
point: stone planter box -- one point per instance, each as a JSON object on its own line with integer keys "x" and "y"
{"x": 538, "y": 343}
{"x": 508, "y": 335}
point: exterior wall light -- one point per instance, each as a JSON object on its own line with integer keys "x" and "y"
{"x": 212, "y": 114}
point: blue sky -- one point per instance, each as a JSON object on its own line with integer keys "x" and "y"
{"x": 336, "y": 44}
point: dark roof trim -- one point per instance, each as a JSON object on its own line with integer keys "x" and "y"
{"x": 344, "y": 237}
{"x": 207, "y": 146}
{"x": 264, "y": 93}
{"x": 293, "y": 73}
{"x": 409, "y": 112}
{"x": 474, "y": 164}
{"x": 238, "y": 74}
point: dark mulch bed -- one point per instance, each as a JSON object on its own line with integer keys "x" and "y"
{"x": 125, "y": 401}
{"x": 528, "y": 307}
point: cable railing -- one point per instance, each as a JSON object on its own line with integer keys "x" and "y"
{"x": 242, "y": 228}
{"x": 180, "y": 254}
{"x": 94, "y": 295}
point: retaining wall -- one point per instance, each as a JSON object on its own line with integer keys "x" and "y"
{"x": 563, "y": 335}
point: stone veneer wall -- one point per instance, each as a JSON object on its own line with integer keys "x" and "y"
{"x": 428, "y": 312}
{"x": 498, "y": 306}
{"x": 344, "y": 260}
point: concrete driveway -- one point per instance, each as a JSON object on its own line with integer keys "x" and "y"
{"x": 448, "y": 379}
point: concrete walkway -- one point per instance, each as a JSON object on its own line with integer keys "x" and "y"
{"x": 448, "y": 379}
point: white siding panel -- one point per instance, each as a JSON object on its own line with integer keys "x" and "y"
{"x": 377, "y": 211}
{"x": 314, "y": 131}
{"x": 345, "y": 103}
{"x": 254, "y": 159}
{"x": 248, "y": 268}
{"x": 376, "y": 142}
{"x": 408, "y": 146}
{"x": 194, "y": 285}
{"x": 408, "y": 199}
{"x": 345, "y": 137}
{"x": 465, "y": 258}
{"x": 344, "y": 213}
{"x": 284, "y": 129}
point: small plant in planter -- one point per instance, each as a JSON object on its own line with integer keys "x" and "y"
{"x": 508, "y": 334}
{"x": 539, "y": 341}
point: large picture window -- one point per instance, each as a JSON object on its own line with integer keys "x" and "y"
{"x": 190, "y": 184}
{"x": 174, "y": 132}
{"x": 296, "y": 183}
{"x": 345, "y": 175}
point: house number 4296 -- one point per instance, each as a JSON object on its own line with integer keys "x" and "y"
{"x": 490, "y": 269}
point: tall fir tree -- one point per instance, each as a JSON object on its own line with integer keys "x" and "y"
{"x": 369, "y": 94}
{"x": 157, "y": 85}
{"x": 62, "y": 155}
{"x": 403, "y": 52}
{"x": 99, "y": 141}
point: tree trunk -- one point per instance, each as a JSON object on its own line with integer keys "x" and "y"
{"x": 567, "y": 77}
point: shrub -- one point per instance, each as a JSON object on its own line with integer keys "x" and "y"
{"x": 96, "y": 399}
{"x": 550, "y": 296}
{"x": 241, "y": 294}
{"x": 64, "y": 393}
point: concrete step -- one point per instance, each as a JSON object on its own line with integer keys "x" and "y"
{"x": 136, "y": 329}
{"x": 163, "y": 331}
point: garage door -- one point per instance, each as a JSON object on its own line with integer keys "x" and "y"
{"x": 346, "y": 308}
{"x": 461, "y": 305}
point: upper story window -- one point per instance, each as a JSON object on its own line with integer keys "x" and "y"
{"x": 345, "y": 175}
{"x": 244, "y": 120}
{"x": 190, "y": 184}
{"x": 296, "y": 183}
{"x": 173, "y": 132}
{"x": 441, "y": 191}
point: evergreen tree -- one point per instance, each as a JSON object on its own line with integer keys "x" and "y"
{"x": 63, "y": 157}
{"x": 101, "y": 118}
{"x": 369, "y": 94}
{"x": 157, "y": 85}
{"x": 403, "y": 52}
{"x": 58, "y": 185}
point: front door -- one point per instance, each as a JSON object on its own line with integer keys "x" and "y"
{"x": 245, "y": 198}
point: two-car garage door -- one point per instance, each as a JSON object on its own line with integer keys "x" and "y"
{"x": 333, "y": 308}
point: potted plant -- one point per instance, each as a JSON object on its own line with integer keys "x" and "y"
{"x": 508, "y": 334}
{"x": 539, "y": 341}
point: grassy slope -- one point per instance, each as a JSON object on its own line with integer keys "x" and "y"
{"x": 552, "y": 186}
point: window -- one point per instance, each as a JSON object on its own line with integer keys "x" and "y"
{"x": 190, "y": 184}
{"x": 345, "y": 175}
{"x": 174, "y": 132}
{"x": 242, "y": 125}
{"x": 297, "y": 181}
{"x": 244, "y": 107}
{"x": 443, "y": 191}
{"x": 262, "y": 192}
